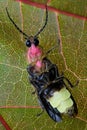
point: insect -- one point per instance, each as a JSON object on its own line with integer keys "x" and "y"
{"x": 50, "y": 87}
{"x": 52, "y": 91}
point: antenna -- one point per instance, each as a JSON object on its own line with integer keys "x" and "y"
{"x": 44, "y": 23}
{"x": 15, "y": 24}
{"x": 22, "y": 31}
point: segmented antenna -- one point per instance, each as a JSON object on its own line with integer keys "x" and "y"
{"x": 46, "y": 20}
{"x": 15, "y": 24}
{"x": 21, "y": 30}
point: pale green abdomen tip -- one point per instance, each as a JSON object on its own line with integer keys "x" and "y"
{"x": 61, "y": 100}
{"x": 65, "y": 105}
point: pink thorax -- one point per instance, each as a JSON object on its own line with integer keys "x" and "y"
{"x": 34, "y": 55}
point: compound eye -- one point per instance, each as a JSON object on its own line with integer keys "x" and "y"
{"x": 36, "y": 42}
{"x": 28, "y": 43}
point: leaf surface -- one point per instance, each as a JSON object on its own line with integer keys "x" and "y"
{"x": 70, "y": 56}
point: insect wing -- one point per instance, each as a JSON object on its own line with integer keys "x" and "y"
{"x": 52, "y": 112}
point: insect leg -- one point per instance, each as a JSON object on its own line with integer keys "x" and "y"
{"x": 39, "y": 114}
{"x": 34, "y": 92}
{"x": 70, "y": 82}
{"x": 52, "y": 48}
